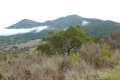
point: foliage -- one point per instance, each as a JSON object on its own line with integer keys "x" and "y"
{"x": 71, "y": 39}
{"x": 44, "y": 48}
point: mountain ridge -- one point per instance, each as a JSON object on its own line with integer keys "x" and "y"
{"x": 94, "y": 27}
{"x": 24, "y": 23}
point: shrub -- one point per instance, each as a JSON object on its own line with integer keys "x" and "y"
{"x": 45, "y": 48}
{"x": 97, "y": 55}
{"x": 74, "y": 58}
{"x": 105, "y": 56}
{"x": 106, "y": 51}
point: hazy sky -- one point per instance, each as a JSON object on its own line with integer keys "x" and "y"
{"x": 12, "y": 11}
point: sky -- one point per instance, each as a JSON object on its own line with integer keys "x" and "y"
{"x": 12, "y": 11}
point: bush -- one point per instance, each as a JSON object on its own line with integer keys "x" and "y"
{"x": 106, "y": 56}
{"x": 97, "y": 55}
{"x": 106, "y": 51}
{"x": 74, "y": 58}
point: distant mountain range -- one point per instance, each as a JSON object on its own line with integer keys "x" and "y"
{"x": 95, "y": 27}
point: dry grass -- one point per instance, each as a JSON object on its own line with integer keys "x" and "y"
{"x": 37, "y": 67}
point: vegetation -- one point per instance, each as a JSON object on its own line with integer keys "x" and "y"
{"x": 34, "y": 66}
{"x": 37, "y": 67}
{"x": 65, "y": 55}
{"x": 113, "y": 75}
{"x": 95, "y": 27}
{"x": 66, "y": 41}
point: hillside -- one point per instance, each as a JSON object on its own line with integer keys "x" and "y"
{"x": 22, "y": 38}
{"x": 95, "y": 27}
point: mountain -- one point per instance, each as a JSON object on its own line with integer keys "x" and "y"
{"x": 95, "y": 27}
{"x": 64, "y": 21}
{"x": 102, "y": 28}
{"x": 57, "y": 23}
{"x": 25, "y": 23}
{"x": 68, "y": 21}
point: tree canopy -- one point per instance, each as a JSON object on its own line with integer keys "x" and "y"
{"x": 65, "y": 41}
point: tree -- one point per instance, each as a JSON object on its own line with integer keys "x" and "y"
{"x": 64, "y": 42}
{"x": 71, "y": 39}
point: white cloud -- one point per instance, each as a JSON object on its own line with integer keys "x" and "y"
{"x": 8, "y": 32}
{"x": 84, "y": 23}
{"x": 12, "y": 11}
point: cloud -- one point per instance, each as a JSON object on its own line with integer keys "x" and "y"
{"x": 84, "y": 23}
{"x": 8, "y": 32}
